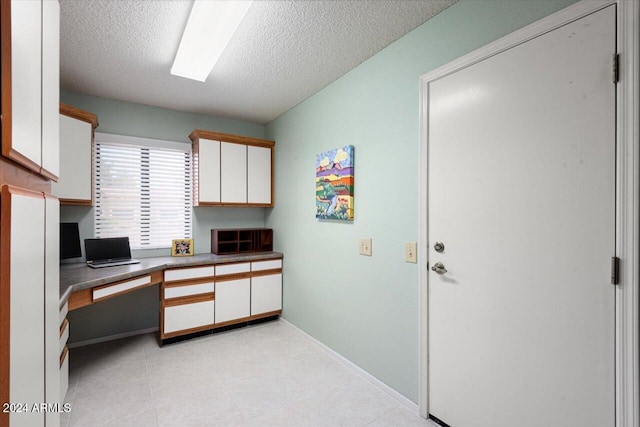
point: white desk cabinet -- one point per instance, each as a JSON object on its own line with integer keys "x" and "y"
{"x": 230, "y": 170}
{"x": 232, "y": 300}
{"x": 74, "y": 187}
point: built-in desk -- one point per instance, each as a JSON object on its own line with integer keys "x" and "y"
{"x": 248, "y": 286}
{"x": 196, "y": 293}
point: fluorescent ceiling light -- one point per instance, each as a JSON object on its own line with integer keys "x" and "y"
{"x": 210, "y": 27}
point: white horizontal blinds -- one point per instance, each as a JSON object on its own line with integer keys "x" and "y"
{"x": 143, "y": 192}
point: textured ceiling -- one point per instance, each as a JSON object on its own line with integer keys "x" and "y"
{"x": 282, "y": 53}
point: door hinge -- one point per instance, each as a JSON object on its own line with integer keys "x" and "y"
{"x": 616, "y": 68}
{"x": 615, "y": 270}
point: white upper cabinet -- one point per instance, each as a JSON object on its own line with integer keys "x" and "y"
{"x": 74, "y": 187}
{"x": 29, "y": 112}
{"x": 233, "y": 173}
{"x": 230, "y": 170}
{"x": 50, "y": 89}
{"x": 259, "y": 175}
{"x": 206, "y": 165}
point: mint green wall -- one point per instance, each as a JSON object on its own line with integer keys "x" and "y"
{"x": 366, "y": 308}
{"x": 139, "y": 310}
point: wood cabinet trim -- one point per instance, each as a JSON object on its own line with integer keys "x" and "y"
{"x": 65, "y": 325}
{"x": 188, "y": 282}
{"x": 79, "y": 114}
{"x": 272, "y": 272}
{"x": 234, "y": 276}
{"x": 234, "y": 139}
{"x": 186, "y": 331}
{"x": 63, "y": 355}
{"x": 189, "y": 299}
{"x": 76, "y": 202}
{"x": 79, "y": 299}
{"x": 17, "y": 175}
{"x": 267, "y": 314}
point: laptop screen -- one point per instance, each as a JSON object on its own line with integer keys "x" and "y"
{"x": 69, "y": 240}
{"x": 107, "y": 249}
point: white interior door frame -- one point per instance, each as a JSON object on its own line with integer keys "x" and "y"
{"x": 627, "y": 194}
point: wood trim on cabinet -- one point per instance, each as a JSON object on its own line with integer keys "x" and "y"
{"x": 232, "y": 322}
{"x": 267, "y": 314}
{"x": 76, "y": 202}
{"x": 64, "y": 326}
{"x": 197, "y": 281}
{"x": 266, "y": 272}
{"x": 63, "y": 355}
{"x": 45, "y": 173}
{"x": 234, "y": 276}
{"x": 234, "y": 139}
{"x": 79, "y": 299}
{"x": 190, "y": 299}
{"x": 185, "y": 331}
{"x": 79, "y": 114}
{"x": 16, "y": 175}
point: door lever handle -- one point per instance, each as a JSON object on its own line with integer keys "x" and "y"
{"x": 438, "y": 267}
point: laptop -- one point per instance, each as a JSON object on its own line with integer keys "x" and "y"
{"x": 108, "y": 252}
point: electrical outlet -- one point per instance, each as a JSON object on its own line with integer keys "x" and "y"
{"x": 411, "y": 252}
{"x": 365, "y": 247}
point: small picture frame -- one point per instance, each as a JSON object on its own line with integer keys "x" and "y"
{"x": 182, "y": 247}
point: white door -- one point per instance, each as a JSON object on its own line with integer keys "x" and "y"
{"x": 233, "y": 299}
{"x": 521, "y": 181}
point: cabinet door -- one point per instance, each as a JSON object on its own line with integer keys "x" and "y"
{"x": 232, "y": 299}
{"x": 74, "y": 183}
{"x": 23, "y": 256}
{"x": 25, "y": 143}
{"x": 208, "y": 168}
{"x": 233, "y": 173}
{"x": 50, "y": 89}
{"x": 258, "y": 175}
{"x": 52, "y": 307}
{"x": 266, "y": 294}
{"x": 188, "y": 316}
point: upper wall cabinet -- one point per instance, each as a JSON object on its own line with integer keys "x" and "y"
{"x": 230, "y": 170}
{"x": 74, "y": 187}
{"x": 30, "y": 84}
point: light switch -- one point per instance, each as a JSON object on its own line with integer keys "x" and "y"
{"x": 365, "y": 247}
{"x": 411, "y": 252}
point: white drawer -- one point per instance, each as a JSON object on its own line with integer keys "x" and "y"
{"x": 187, "y": 316}
{"x": 266, "y": 265}
{"x": 121, "y": 287}
{"x": 64, "y": 377}
{"x": 63, "y": 312}
{"x": 189, "y": 273}
{"x": 223, "y": 269}
{"x": 183, "y": 291}
{"x": 64, "y": 337}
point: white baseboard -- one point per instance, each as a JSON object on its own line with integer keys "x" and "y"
{"x": 111, "y": 337}
{"x": 412, "y": 406}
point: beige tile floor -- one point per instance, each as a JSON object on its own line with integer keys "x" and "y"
{"x": 263, "y": 375}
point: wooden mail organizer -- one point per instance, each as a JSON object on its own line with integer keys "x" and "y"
{"x": 207, "y": 297}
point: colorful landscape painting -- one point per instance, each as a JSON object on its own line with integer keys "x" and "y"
{"x": 334, "y": 184}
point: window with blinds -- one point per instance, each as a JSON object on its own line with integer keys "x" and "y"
{"x": 142, "y": 190}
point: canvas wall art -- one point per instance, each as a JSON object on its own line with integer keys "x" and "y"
{"x": 334, "y": 184}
